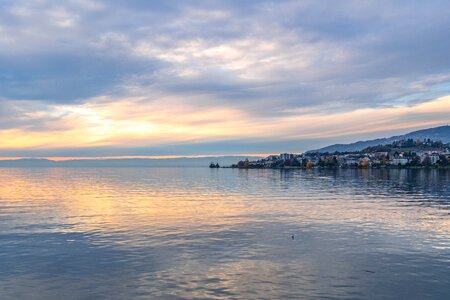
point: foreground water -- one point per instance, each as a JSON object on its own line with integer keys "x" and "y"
{"x": 175, "y": 233}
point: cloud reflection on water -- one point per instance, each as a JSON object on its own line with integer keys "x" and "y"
{"x": 196, "y": 233}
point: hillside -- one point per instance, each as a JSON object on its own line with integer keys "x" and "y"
{"x": 441, "y": 133}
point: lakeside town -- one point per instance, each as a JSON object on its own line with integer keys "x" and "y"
{"x": 407, "y": 153}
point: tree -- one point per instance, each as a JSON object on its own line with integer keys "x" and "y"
{"x": 415, "y": 161}
{"x": 427, "y": 161}
{"x": 443, "y": 161}
{"x": 304, "y": 162}
{"x": 295, "y": 163}
{"x": 365, "y": 164}
{"x": 321, "y": 163}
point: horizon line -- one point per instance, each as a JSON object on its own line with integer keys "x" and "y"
{"x": 71, "y": 158}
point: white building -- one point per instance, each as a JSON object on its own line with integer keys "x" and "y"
{"x": 286, "y": 156}
{"x": 399, "y": 161}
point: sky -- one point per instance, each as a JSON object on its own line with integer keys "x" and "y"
{"x": 88, "y": 78}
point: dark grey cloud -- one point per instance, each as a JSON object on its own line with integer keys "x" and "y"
{"x": 62, "y": 78}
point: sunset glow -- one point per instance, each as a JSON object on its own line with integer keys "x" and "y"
{"x": 195, "y": 82}
{"x": 224, "y": 149}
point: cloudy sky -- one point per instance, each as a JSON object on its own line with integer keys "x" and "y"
{"x": 115, "y": 78}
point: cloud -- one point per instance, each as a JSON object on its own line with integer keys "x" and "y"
{"x": 125, "y": 127}
{"x": 66, "y": 77}
{"x": 176, "y": 72}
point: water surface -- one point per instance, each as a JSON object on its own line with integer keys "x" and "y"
{"x": 196, "y": 233}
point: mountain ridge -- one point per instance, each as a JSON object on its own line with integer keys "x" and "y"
{"x": 440, "y": 133}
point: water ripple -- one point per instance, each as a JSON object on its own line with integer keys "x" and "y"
{"x": 194, "y": 233}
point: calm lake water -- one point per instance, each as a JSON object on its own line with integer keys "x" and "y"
{"x": 196, "y": 233}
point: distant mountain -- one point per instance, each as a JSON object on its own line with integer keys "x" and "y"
{"x": 124, "y": 162}
{"x": 441, "y": 133}
{"x": 28, "y": 162}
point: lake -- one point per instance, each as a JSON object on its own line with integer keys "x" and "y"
{"x": 196, "y": 233}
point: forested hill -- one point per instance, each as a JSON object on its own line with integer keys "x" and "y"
{"x": 441, "y": 133}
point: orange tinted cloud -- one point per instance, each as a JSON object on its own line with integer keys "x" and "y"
{"x": 133, "y": 123}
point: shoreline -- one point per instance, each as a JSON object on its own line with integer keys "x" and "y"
{"x": 346, "y": 168}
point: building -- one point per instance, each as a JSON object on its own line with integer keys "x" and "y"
{"x": 286, "y": 156}
{"x": 400, "y": 161}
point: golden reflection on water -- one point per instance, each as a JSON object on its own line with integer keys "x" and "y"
{"x": 160, "y": 232}
{"x": 107, "y": 200}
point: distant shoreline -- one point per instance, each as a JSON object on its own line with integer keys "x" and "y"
{"x": 342, "y": 168}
